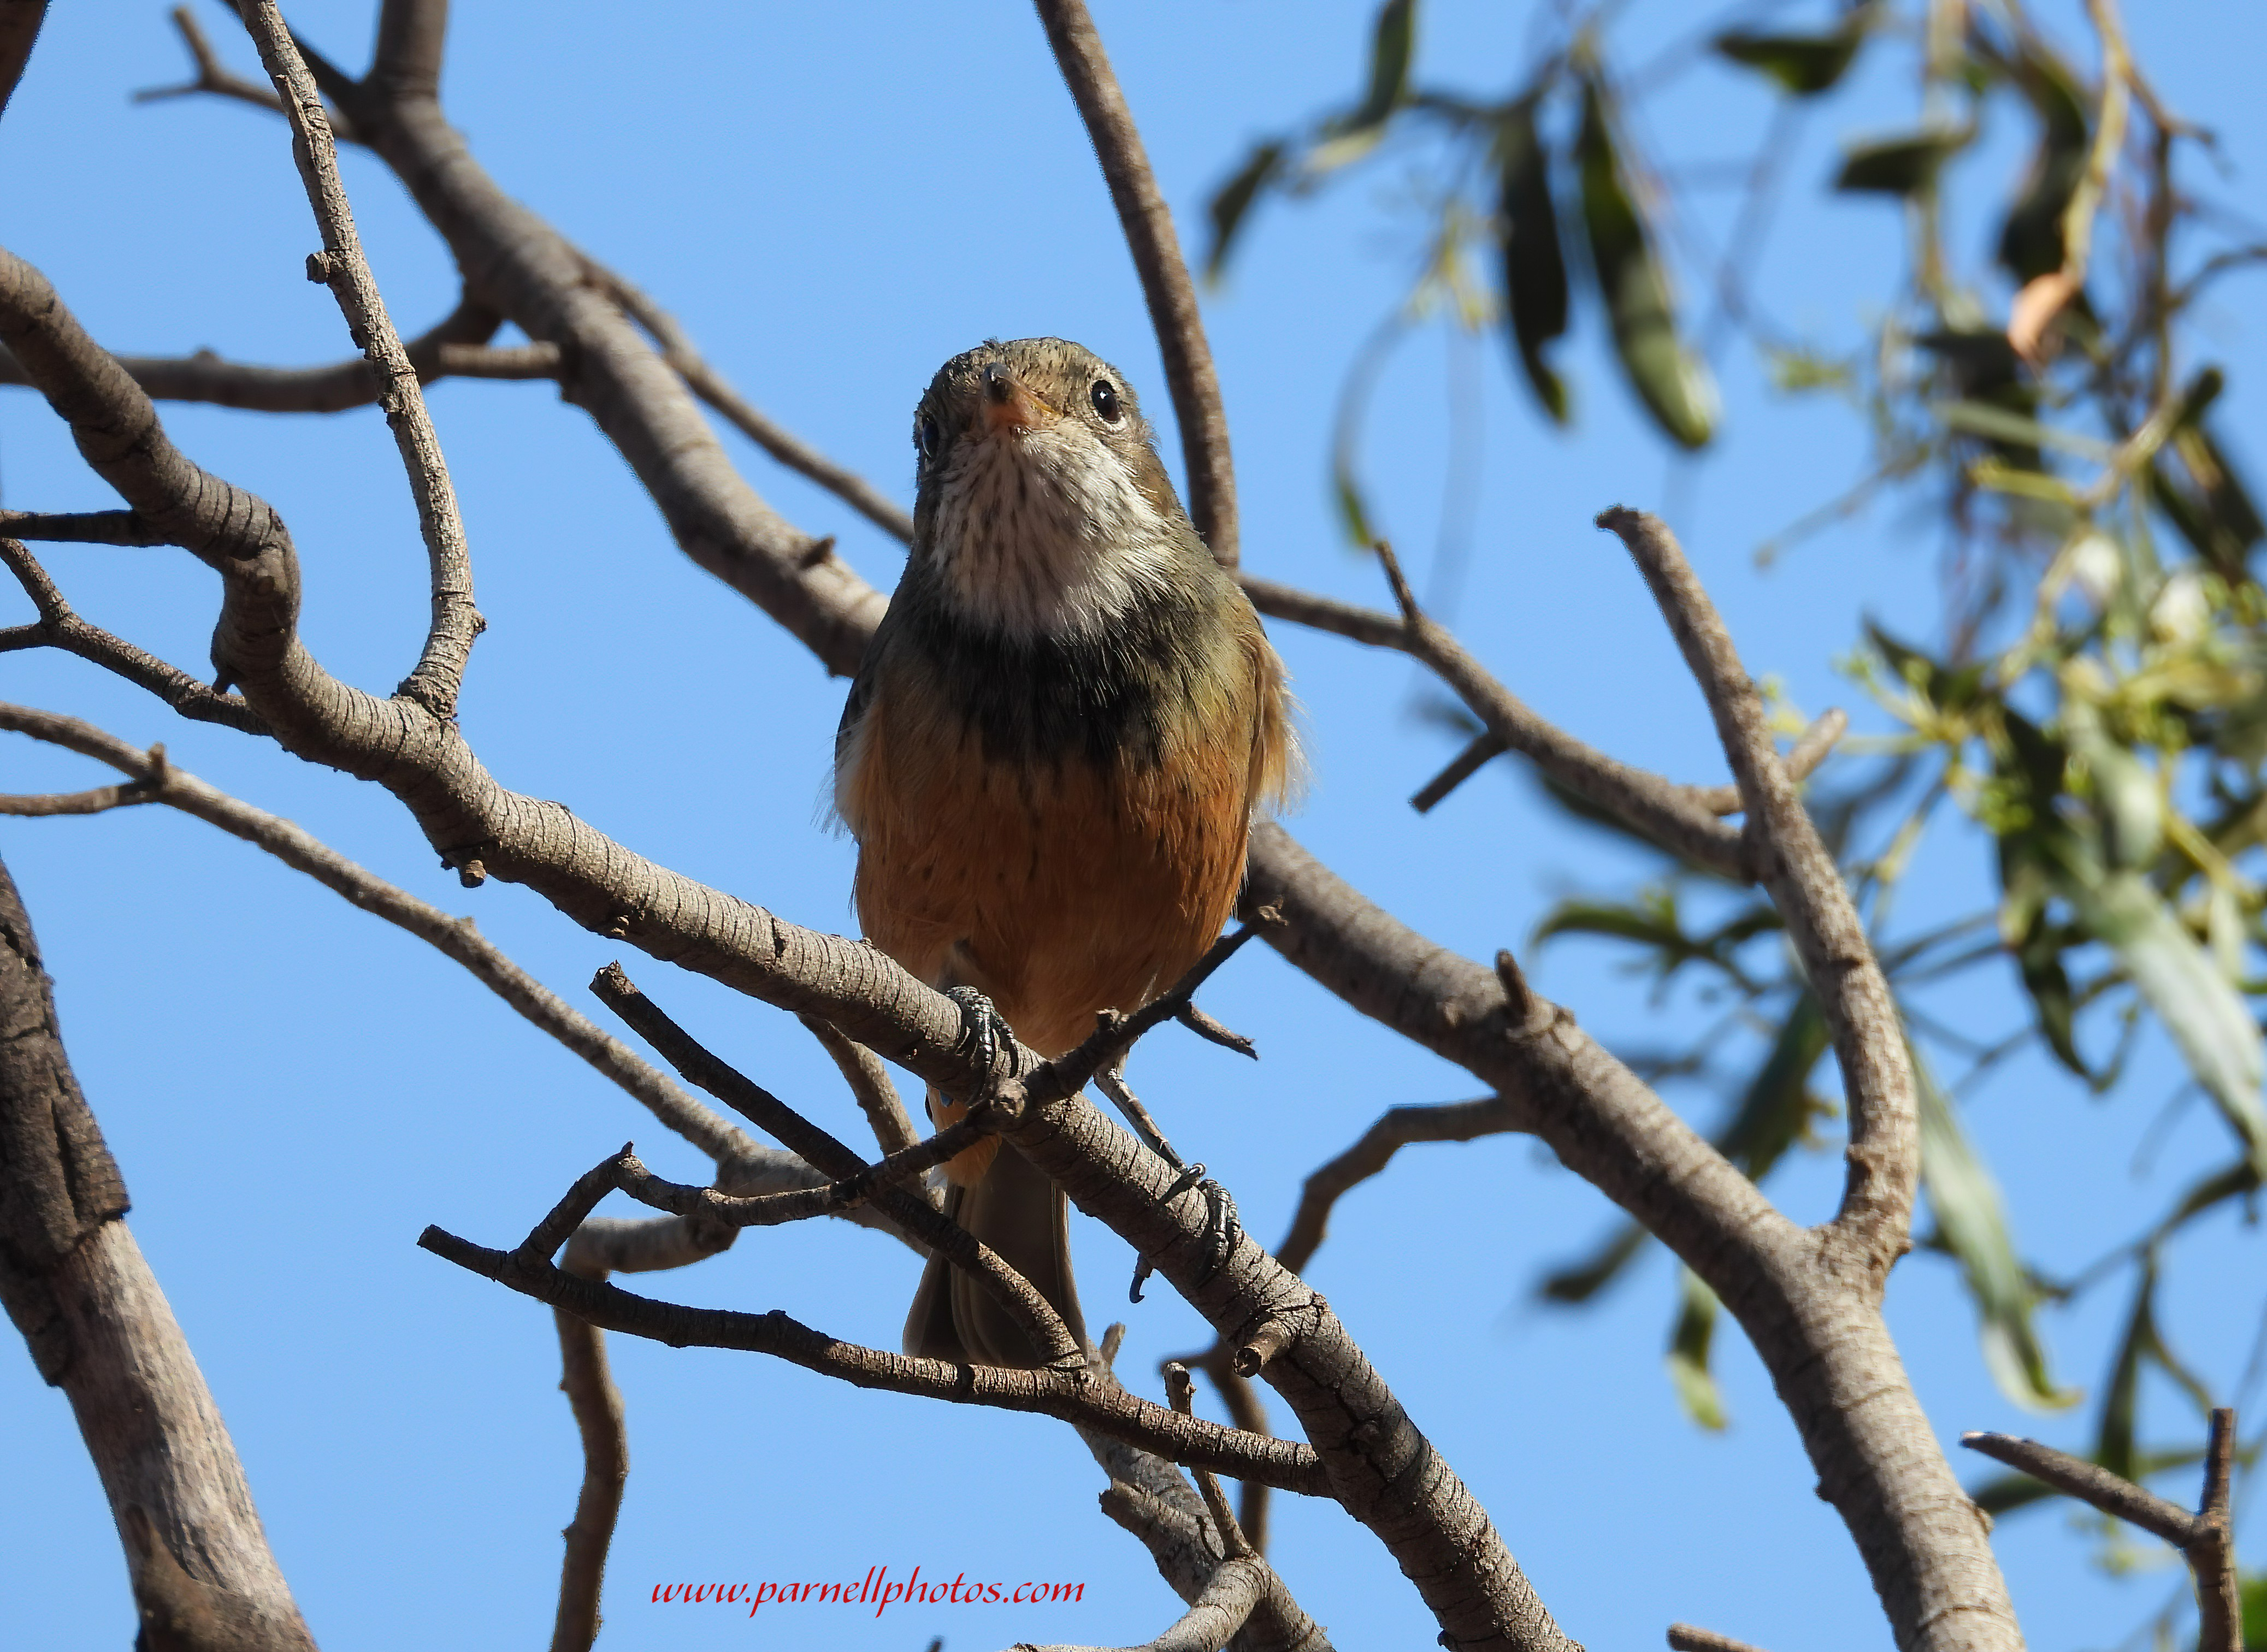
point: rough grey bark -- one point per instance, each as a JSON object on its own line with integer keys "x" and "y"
{"x": 98, "y": 1327}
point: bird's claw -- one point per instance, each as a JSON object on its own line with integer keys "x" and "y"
{"x": 982, "y": 1031}
{"x": 1222, "y": 1229}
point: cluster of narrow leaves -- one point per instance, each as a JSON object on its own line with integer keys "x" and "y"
{"x": 2098, "y": 707}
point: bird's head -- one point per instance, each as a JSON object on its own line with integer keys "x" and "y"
{"x": 1043, "y": 507}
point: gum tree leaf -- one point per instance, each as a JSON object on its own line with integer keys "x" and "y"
{"x": 2039, "y": 959}
{"x": 1804, "y": 65}
{"x": 1688, "y": 1354}
{"x": 2031, "y": 239}
{"x": 1777, "y": 1105}
{"x": 1393, "y": 46}
{"x": 1901, "y": 165}
{"x": 1668, "y": 377}
{"x": 1971, "y": 1219}
{"x": 1233, "y": 200}
{"x": 1578, "y": 1282}
{"x": 2206, "y": 1016}
{"x": 1535, "y": 287}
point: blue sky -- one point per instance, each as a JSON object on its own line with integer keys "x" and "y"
{"x": 833, "y": 200}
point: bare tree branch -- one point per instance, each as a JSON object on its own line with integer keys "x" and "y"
{"x": 1685, "y": 1637}
{"x": 600, "y": 1422}
{"x": 439, "y": 674}
{"x": 1214, "y": 1617}
{"x": 159, "y": 781}
{"x": 2206, "y": 1539}
{"x": 59, "y": 627}
{"x": 678, "y": 350}
{"x": 1394, "y": 1129}
{"x": 98, "y": 1327}
{"x": 1065, "y": 1395}
{"x": 1148, "y": 223}
{"x": 456, "y": 346}
{"x": 869, "y": 1082}
{"x": 215, "y": 77}
{"x": 1821, "y": 921}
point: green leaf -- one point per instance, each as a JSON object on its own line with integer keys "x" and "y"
{"x": 2039, "y": 959}
{"x": 1535, "y": 291}
{"x": 1971, "y": 1219}
{"x": 1803, "y": 64}
{"x": 1902, "y": 165}
{"x": 1777, "y": 1105}
{"x": 1232, "y": 203}
{"x": 1669, "y": 378}
{"x": 1579, "y": 1281}
{"x": 1952, "y": 689}
{"x": 2206, "y": 1016}
{"x": 2214, "y": 511}
{"x": 1688, "y": 1354}
{"x": 1393, "y": 45}
{"x": 2031, "y": 240}
{"x": 2252, "y": 1592}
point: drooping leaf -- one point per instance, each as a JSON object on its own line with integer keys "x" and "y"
{"x": 1231, "y": 203}
{"x": 1579, "y": 1281}
{"x": 1535, "y": 289}
{"x": 2038, "y": 957}
{"x": 2031, "y": 239}
{"x": 1901, "y": 165}
{"x": 1777, "y": 1105}
{"x": 1688, "y": 1354}
{"x": 1652, "y": 922}
{"x": 2141, "y": 1344}
{"x": 1802, "y": 64}
{"x": 2214, "y": 511}
{"x": 1668, "y": 377}
{"x": 2206, "y": 1016}
{"x": 1392, "y": 48}
{"x": 1971, "y": 1219}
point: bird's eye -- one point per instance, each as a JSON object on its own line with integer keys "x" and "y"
{"x": 1104, "y": 397}
{"x": 926, "y": 436}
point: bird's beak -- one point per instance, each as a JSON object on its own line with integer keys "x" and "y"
{"x": 1007, "y": 405}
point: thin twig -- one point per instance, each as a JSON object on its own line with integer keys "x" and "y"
{"x": 868, "y": 1078}
{"x": 1148, "y": 224}
{"x": 456, "y": 936}
{"x": 1806, "y": 887}
{"x": 1180, "y": 1392}
{"x": 1033, "y": 1313}
{"x": 600, "y": 1422}
{"x": 59, "y": 627}
{"x": 2089, "y": 1483}
{"x": 1106, "y": 1407}
{"x": 217, "y": 78}
{"x": 1396, "y": 1129}
{"x": 438, "y": 677}
{"x": 1685, "y": 1637}
{"x": 1805, "y": 756}
{"x": 704, "y": 381}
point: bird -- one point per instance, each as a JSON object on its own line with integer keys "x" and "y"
{"x": 1050, "y": 758}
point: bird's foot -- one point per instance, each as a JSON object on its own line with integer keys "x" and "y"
{"x": 1223, "y": 1230}
{"x": 983, "y": 1033}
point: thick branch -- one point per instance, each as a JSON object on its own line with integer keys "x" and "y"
{"x": 439, "y": 674}
{"x": 1820, "y": 919}
{"x": 98, "y": 1326}
{"x": 1148, "y": 223}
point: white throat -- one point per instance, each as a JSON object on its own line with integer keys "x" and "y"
{"x": 1043, "y": 532}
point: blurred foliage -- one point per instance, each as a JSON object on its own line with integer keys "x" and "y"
{"x": 2097, "y": 707}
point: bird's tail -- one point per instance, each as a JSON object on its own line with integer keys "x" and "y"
{"x": 1017, "y": 1211}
